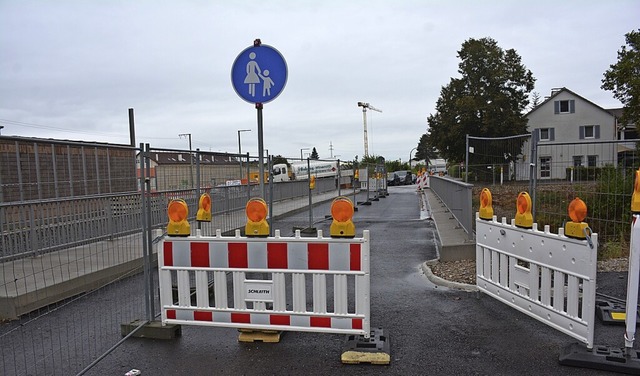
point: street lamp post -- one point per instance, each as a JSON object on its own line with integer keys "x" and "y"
{"x": 240, "y": 149}
{"x": 410, "y": 157}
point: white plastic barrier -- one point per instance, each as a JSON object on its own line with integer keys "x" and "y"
{"x": 549, "y": 277}
{"x": 270, "y": 280}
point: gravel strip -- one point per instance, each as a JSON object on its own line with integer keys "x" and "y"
{"x": 464, "y": 271}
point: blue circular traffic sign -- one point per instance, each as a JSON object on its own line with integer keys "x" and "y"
{"x": 259, "y": 74}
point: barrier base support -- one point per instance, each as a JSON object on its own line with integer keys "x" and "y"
{"x": 364, "y": 203}
{"x": 614, "y": 359}
{"x": 374, "y": 350}
{"x": 153, "y": 329}
{"x": 613, "y": 313}
{"x": 248, "y": 335}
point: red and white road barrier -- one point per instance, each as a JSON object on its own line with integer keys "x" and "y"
{"x": 269, "y": 280}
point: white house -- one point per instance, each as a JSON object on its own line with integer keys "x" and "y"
{"x": 572, "y": 131}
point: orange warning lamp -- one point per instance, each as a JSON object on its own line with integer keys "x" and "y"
{"x": 486, "y": 208}
{"x": 312, "y": 182}
{"x": 577, "y": 212}
{"x": 524, "y": 218}
{"x": 257, "y": 225}
{"x": 178, "y": 212}
{"x": 635, "y": 197}
{"x": 342, "y": 213}
{"x": 204, "y": 208}
{"x": 356, "y": 174}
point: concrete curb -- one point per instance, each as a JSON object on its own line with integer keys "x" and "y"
{"x": 443, "y": 282}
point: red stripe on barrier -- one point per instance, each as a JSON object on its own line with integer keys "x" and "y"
{"x": 320, "y": 322}
{"x": 168, "y": 254}
{"x": 279, "y": 320}
{"x": 202, "y": 316}
{"x": 242, "y": 318}
{"x": 318, "y": 255}
{"x": 238, "y": 255}
{"x": 171, "y": 313}
{"x": 356, "y": 324}
{"x": 200, "y": 254}
{"x": 277, "y": 256}
{"x": 354, "y": 254}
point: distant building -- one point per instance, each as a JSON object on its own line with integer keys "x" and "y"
{"x": 177, "y": 170}
{"x": 41, "y": 169}
{"x": 566, "y": 117}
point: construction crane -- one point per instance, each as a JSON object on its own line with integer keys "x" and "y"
{"x": 366, "y": 106}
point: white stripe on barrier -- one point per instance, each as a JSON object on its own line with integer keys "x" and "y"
{"x": 270, "y": 281}
{"x": 549, "y": 277}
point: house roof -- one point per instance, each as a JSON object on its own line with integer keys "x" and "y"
{"x": 556, "y": 92}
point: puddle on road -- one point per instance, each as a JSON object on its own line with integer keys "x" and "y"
{"x": 419, "y": 279}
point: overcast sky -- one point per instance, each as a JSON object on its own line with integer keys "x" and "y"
{"x": 72, "y": 69}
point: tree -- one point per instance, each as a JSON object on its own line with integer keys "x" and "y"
{"x": 279, "y": 159}
{"x": 314, "y": 154}
{"x": 535, "y": 99}
{"x": 425, "y": 149}
{"x": 488, "y": 100}
{"x": 623, "y": 78}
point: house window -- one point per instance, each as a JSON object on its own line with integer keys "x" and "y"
{"x": 577, "y": 160}
{"x": 591, "y": 160}
{"x": 589, "y": 132}
{"x": 546, "y": 134}
{"x": 564, "y": 107}
{"x": 545, "y": 167}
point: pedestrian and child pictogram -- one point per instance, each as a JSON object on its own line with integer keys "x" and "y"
{"x": 259, "y": 73}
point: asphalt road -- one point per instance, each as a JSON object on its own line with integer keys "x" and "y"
{"x": 432, "y": 330}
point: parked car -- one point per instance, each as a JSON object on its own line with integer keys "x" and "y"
{"x": 393, "y": 179}
{"x": 405, "y": 177}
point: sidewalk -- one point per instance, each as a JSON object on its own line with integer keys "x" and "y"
{"x": 454, "y": 242}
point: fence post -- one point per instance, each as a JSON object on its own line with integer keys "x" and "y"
{"x": 533, "y": 172}
{"x": 145, "y": 229}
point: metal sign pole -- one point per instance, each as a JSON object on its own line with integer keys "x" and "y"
{"x": 260, "y": 150}
{"x": 310, "y": 201}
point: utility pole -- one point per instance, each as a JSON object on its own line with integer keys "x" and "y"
{"x": 190, "y": 156}
{"x": 364, "y": 106}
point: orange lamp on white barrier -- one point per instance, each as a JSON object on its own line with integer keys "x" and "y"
{"x": 342, "y": 213}
{"x": 257, "y": 225}
{"x": 486, "y": 208}
{"x": 178, "y": 212}
{"x": 204, "y": 208}
{"x": 635, "y": 197}
{"x": 577, "y": 212}
{"x": 524, "y": 218}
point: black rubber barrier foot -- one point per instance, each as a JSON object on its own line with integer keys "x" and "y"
{"x": 613, "y": 313}
{"x": 153, "y": 329}
{"x": 373, "y": 350}
{"x": 604, "y": 358}
{"x": 364, "y": 203}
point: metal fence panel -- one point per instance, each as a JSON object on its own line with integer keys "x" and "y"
{"x": 76, "y": 226}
